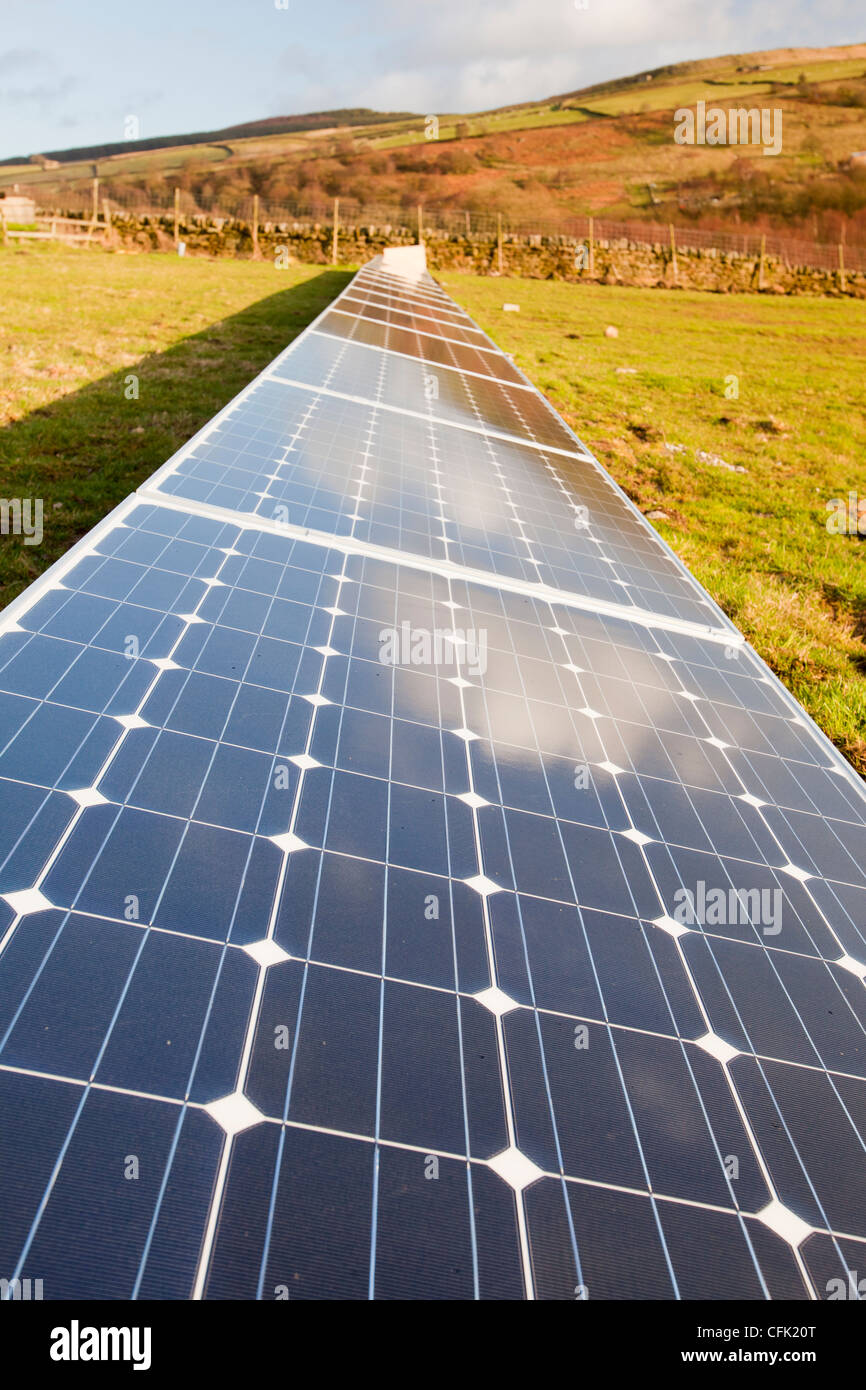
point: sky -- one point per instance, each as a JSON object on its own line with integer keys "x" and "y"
{"x": 73, "y": 71}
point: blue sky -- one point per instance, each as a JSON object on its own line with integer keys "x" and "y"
{"x": 72, "y": 71}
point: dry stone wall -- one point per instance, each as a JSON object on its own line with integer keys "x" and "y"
{"x": 544, "y": 258}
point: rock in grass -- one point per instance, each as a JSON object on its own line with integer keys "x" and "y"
{"x": 656, "y": 515}
{"x": 714, "y": 461}
{"x": 611, "y": 332}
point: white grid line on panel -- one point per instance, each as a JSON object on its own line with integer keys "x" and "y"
{"x": 450, "y": 571}
{"x": 837, "y": 760}
{"x": 581, "y": 452}
{"x": 339, "y": 304}
{"x": 398, "y": 302}
{"x": 623, "y": 1087}
{"x": 405, "y": 1147}
{"x": 424, "y": 415}
{"x": 689, "y": 974}
{"x": 447, "y": 568}
{"x": 433, "y": 366}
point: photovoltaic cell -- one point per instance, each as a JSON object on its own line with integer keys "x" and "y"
{"x": 431, "y": 349}
{"x": 398, "y": 284}
{"x": 376, "y": 290}
{"x": 403, "y": 382}
{"x": 364, "y": 307}
{"x": 291, "y": 455}
{"x": 342, "y": 873}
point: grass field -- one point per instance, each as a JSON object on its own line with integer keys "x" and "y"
{"x": 76, "y": 325}
{"x": 195, "y": 331}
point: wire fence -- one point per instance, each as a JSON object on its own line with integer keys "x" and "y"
{"x": 391, "y": 219}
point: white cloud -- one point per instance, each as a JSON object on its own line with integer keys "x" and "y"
{"x": 465, "y": 55}
{"x": 14, "y": 59}
{"x": 43, "y": 94}
{"x": 470, "y": 56}
{"x": 227, "y": 61}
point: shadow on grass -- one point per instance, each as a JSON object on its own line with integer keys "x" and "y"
{"x": 90, "y": 449}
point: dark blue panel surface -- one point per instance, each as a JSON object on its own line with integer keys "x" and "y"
{"x": 369, "y": 931}
{"x": 295, "y": 457}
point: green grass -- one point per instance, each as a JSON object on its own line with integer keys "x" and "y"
{"x": 82, "y": 322}
{"x": 496, "y": 123}
{"x": 195, "y": 331}
{"x": 822, "y": 70}
{"x": 666, "y": 96}
{"x": 756, "y": 540}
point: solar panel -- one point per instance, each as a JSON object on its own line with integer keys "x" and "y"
{"x": 291, "y": 454}
{"x": 365, "y": 307}
{"x": 418, "y": 343}
{"x": 420, "y": 907}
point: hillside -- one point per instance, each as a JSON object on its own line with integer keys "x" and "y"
{"x": 606, "y": 149}
{"x": 274, "y": 125}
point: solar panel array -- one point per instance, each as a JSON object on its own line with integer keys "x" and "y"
{"x": 411, "y": 886}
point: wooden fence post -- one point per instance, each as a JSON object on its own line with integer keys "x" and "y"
{"x": 592, "y": 246}
{"x": 255, "y": 226}
{"x": 336, "y": 224}
{"x": 95, "y": 214}
{"x": 842, "y": 281}
{"x": 2, "y": 228}
{"x": 499, "y": 240}
{"x": 176, "y": 216}
{"x": 420, "y": 225}
{"x": 674, "y": 264}
{"x": 761, "y": 262}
